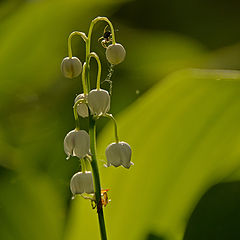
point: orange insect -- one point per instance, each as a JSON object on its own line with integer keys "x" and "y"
{"x": 104, "y": 196}
{"x": 104, "y": 200}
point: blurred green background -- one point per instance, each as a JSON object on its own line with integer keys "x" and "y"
{"x": 176, "y": 98}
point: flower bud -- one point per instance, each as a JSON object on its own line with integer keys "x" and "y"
{"x": 99, "y": 101}
{"x": 77, "y": 143}
{"x": 115, "y": 53}
{"x": 71, "y": 67}
{"x": 82, "y": 108}
{"x": 82, "y": 182}
{"x": 119, "y": 154}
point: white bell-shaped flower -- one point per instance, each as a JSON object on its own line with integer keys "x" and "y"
{"x": 115, "y": 53}
{"x": 99, "y": 101}
{"x": 119, "y": 154}
{"x": 77, "y": 143}
{"x": 71, "y": 67}
{"x": 82, "y": 182}
{"x": 82, "y": 108}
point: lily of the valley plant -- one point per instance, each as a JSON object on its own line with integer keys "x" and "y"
{"x": 93, "y": 104}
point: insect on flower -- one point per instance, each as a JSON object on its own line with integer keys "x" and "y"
{"x": 106, "y": 38}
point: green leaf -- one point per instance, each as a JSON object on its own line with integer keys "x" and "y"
{"x": 184, "y": 137}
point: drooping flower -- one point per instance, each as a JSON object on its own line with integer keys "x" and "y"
{"x": 71, "y": 67}
{"x": 82, "y": 108}
{"x": 77, "y": 143}
{"x": 82, "y": 182}
{"x": 118, "y": 154}
{"x": 115, "y": 53}
{"x": 99, "y": 101}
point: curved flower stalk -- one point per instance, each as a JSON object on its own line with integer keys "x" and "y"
{"x": 93, "y": 104}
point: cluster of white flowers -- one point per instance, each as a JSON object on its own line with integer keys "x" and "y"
{"x": 72, "y": 67}
{"x": 93, "y": 103}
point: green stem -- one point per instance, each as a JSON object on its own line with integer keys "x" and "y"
{"x": 77, "y": 102}
{"x": 92, "y": 128}
{"x": 83, "y": 165}
{"x": 88, "y": 42}
{"x": 83, "y": 36}
{"x": 92, "y": 133}
{"x": 115, "y": 125}
{"x": 85, "y": 89}
{"x": 95, "y": 20}
{"x": 76, "y": 117}
{"x": 94, "y": 55}
{"x": 87, "y": 75}
{"x": 85, "y": 39}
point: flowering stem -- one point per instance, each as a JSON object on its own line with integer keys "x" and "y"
{"x": 83, "y": 165}
{"x": 77, "y": 122}
{"x": 88, "y": 42}
{"x": 83, "y": 36}
{"x": 92, "y": 123}
{"x": 115, "y": 125}
{"x": 92, "y": 133}
{"x": 95, "y": 20}
{"x": 76, "y": 114}
{"x": 87, "y": 75}
{"x": 94, "y": 55}
{"x": 85, "y": 89}
{"x": 78, "y": 102}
